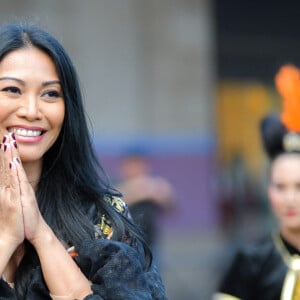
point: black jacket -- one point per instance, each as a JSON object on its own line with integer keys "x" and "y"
{"x": 117, "y": 270}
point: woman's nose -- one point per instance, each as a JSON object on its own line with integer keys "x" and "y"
{"x": 29, "y": 108}
{"x": 291, "y": 195}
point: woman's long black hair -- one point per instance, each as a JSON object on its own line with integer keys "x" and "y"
{"x": 72, "y": 178}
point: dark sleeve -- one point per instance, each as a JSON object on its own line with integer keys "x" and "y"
{"x": 6, "y": 292}
{"x": 118, "y": 272}
{"x": 241, "y": 276}
{"x": 93, "y": 297}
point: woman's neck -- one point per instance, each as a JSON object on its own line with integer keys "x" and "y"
{"x": 292, "y": 237}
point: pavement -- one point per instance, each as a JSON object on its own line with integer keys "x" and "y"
{"x": 191, "y": 265}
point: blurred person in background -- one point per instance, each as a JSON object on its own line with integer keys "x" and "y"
{"x": 147, "y": 195}
{"x": 65, "y": 232}
{"x": 270, "y": 268}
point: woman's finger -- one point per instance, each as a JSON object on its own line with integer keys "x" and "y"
{"x": 11, "y": 162}
{"x": 5, "y": 158}
{"x": 11, "y": 218}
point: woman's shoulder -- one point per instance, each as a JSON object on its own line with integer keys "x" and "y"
{"x": 117, "y": 262}
{"x": 250, "y": 266}
{"x": 248, "y": 257}
{"x": 256, "y": 250}
{"x": 104, "y": 225}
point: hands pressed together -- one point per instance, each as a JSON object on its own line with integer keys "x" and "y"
{"x": 20, "y": 219}
{"x": 19, "y": 213}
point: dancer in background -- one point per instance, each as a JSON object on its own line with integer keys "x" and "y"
{"x": 270, "y": 268}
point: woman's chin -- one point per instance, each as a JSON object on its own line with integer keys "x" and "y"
{"x": 29, "y": 158}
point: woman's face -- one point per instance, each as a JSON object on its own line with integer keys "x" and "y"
{"x": 284, "y": 190}
{"x": 31, "y": 101}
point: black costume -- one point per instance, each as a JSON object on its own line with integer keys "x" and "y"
{"x": 116, "y": 269}
{"x": 262, "y": 271}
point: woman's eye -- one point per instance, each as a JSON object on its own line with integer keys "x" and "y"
{"x": 279, "y": 187}
{"x": 52, "y": 94}
{"x": 12, "y": 90}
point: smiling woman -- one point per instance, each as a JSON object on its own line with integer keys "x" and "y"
{"x": 65, "y": 232}
{"x": 32, "y": 104}
{"x": 270, "y": 268}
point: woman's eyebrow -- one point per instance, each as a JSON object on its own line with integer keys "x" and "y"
{"x": 13, "y": 78}
{"x": 51, "y": 82}
{"x": 46, "y": 83}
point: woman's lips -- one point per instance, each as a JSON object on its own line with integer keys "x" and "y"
{"x": 27, "y": 134}
{"x": 291, "y": 213}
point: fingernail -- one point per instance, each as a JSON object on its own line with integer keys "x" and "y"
{"x": 15, "y": 144}
{"x": 13, "y": 136}
{"x": 17, "y": 160}
{"x": 5, "y": 148}
{"x": 10, "y": 165}
{"x": 4, "y": 139}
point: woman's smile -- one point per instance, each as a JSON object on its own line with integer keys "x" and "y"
{"x": 31, "y": 101}
{"x": 27, "y": 134}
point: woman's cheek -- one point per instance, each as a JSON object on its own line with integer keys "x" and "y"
{"x": 275, "y": 202}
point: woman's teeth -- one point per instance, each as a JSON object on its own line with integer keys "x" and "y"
{"x": 25, "y": 132}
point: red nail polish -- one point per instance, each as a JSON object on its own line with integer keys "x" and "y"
{"x": 15, "y": 144}
{"x": 5, "y": 148}
{"x": 4, "y": 139}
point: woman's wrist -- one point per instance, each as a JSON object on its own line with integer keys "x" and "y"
{"x": 62, "y": 275}
{"x": 44, "y": 236}
{"x": 70, "y": 297}
{"x": 7, "y": 249}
